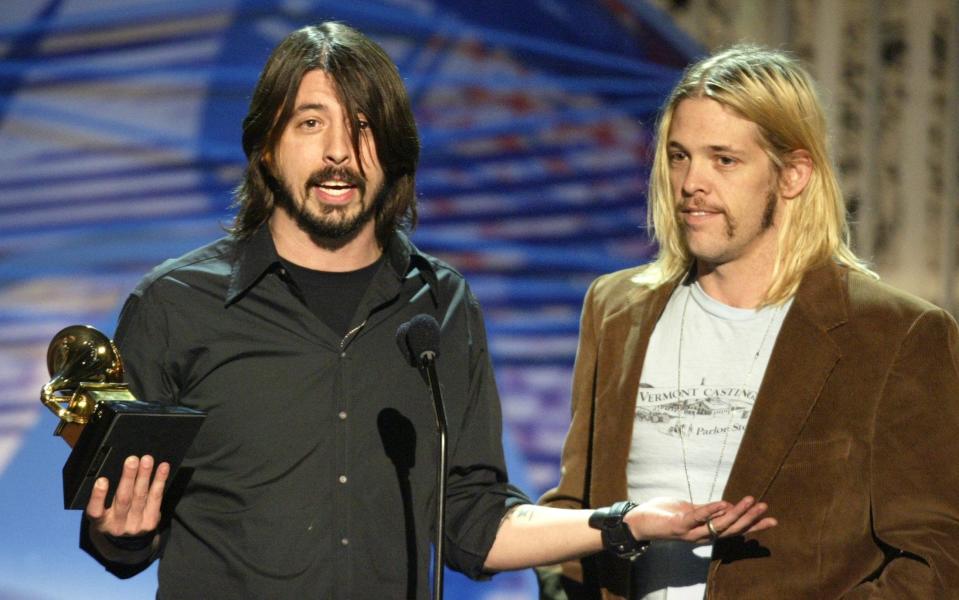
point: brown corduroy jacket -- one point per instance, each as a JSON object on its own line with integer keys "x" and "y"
{"x": 853, "y": 442}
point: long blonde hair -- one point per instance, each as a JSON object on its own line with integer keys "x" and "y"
{"x": 772, "y": 90}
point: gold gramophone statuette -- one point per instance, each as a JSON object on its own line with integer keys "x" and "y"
{"x": 85, "y": 369}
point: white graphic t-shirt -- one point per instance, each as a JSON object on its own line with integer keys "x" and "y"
{"x": 692, "y": 407}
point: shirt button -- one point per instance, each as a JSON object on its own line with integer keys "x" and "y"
{"x": 344, "y": 542}
{"x": 342, "y": 415}
{"x": 342, "y": 478}
{"x": 342, "y": 354}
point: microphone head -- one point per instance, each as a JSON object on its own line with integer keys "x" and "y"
{"x": 423, "y": 337}
{"x": 402, "y": 342}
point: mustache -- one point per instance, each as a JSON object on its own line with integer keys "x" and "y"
{"x": 699, "y": 204}
{"x": 348, "y": 176}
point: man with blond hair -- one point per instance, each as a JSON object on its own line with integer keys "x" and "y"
{"x": 758, "y": 355}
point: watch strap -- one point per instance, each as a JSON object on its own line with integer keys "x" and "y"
{"x": 617, "y": 538}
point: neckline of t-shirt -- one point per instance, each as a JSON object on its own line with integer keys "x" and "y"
{"x": 720, "y": 310}
{"x": 315, "y": 275}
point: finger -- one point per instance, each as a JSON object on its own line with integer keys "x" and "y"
{"x": 151, "y": 514}
{"x": 159, "y": 482}
{"x": 98, "y": 497}
{"x": 124, "y": 494}
{"x": 693, "y": 527}
{"x": 762, "y": 524}
{"x": 730, "y": 516}
{"x": 744, "y": 517}
{"x": 722, "y": 521}
{"x": 141, "y": 486}
{"x": 709, "y": 511}
{"x": 746, "y": 520}
{"x": 701, "y": 533}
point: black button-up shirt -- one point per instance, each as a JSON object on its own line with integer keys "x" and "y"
{"x": 314, "y": 473}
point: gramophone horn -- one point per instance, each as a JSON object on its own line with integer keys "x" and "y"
{"x": 77, "y": 355}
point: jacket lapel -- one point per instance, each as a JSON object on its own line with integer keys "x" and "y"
{"x": 621, "y": 352}
{"x": 801, "y": 361}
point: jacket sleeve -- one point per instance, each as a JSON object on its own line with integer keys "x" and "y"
{"x": 915, "y": 482}
{"x": 566, "y": 581}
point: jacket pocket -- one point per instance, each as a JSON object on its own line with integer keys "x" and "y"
{"x": 817, "y": 452}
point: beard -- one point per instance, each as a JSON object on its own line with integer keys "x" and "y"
{"x": 330, "y": 227}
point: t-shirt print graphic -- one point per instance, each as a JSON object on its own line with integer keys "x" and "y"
{"x": 699, "y": 411}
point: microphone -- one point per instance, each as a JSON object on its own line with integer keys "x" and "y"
{"x": 419, "y": 342}
{"x": 423, "y": 339}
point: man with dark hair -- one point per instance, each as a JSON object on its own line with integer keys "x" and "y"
{"x": 314, "y": 473}
{"x": 757, "y": 354}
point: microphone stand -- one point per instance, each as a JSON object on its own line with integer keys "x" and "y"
{"x": 428, "y": 364}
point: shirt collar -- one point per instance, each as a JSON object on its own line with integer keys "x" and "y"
{"x": 405, "y": 258}
{"x": 256, "y": 255}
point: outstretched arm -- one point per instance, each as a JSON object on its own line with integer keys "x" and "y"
{"x": 540, "y": 535}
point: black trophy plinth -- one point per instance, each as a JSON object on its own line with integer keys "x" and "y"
{"x": 117, "y": 430}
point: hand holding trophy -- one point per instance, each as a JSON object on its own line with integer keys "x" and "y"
{"x": 101, "y": 419}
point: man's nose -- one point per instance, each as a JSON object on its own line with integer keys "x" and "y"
{"x": 339, "y": 146}
{"x": 694, "y": 179}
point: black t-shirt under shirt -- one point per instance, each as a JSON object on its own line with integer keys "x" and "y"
{"x": 333, "y": 296}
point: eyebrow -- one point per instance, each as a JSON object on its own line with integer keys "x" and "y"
{"x": 310, "y": 106}
{"x": 712, "y": 147}
{"x": 722, "y": 148}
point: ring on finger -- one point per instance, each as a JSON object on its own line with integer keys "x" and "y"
{"x": 712, "y": 529}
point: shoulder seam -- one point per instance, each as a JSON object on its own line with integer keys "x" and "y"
{"x": 173, "y": 265}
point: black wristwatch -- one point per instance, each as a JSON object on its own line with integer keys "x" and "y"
{"x": 617, "y": 538}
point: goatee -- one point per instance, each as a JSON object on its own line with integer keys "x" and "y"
{"x": 330, "y": 227}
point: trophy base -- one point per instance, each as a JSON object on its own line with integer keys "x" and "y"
{"x": 120, "y": 429}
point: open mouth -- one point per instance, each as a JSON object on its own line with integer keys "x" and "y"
{"x": 336, "y": 188}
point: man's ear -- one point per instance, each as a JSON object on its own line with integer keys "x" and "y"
{"x": 796, "y": 173}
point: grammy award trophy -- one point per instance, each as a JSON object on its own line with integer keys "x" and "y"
{"x": 101, "y": 419}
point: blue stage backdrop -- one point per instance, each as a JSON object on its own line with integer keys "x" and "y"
{"x": 120, "y": 136}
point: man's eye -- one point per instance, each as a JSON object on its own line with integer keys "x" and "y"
{"x": 726, "y": 161}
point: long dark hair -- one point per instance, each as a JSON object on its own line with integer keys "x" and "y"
{"x": 366, "y": 82}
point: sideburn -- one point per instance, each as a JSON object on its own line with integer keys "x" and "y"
{"x": 770, "y": 211}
